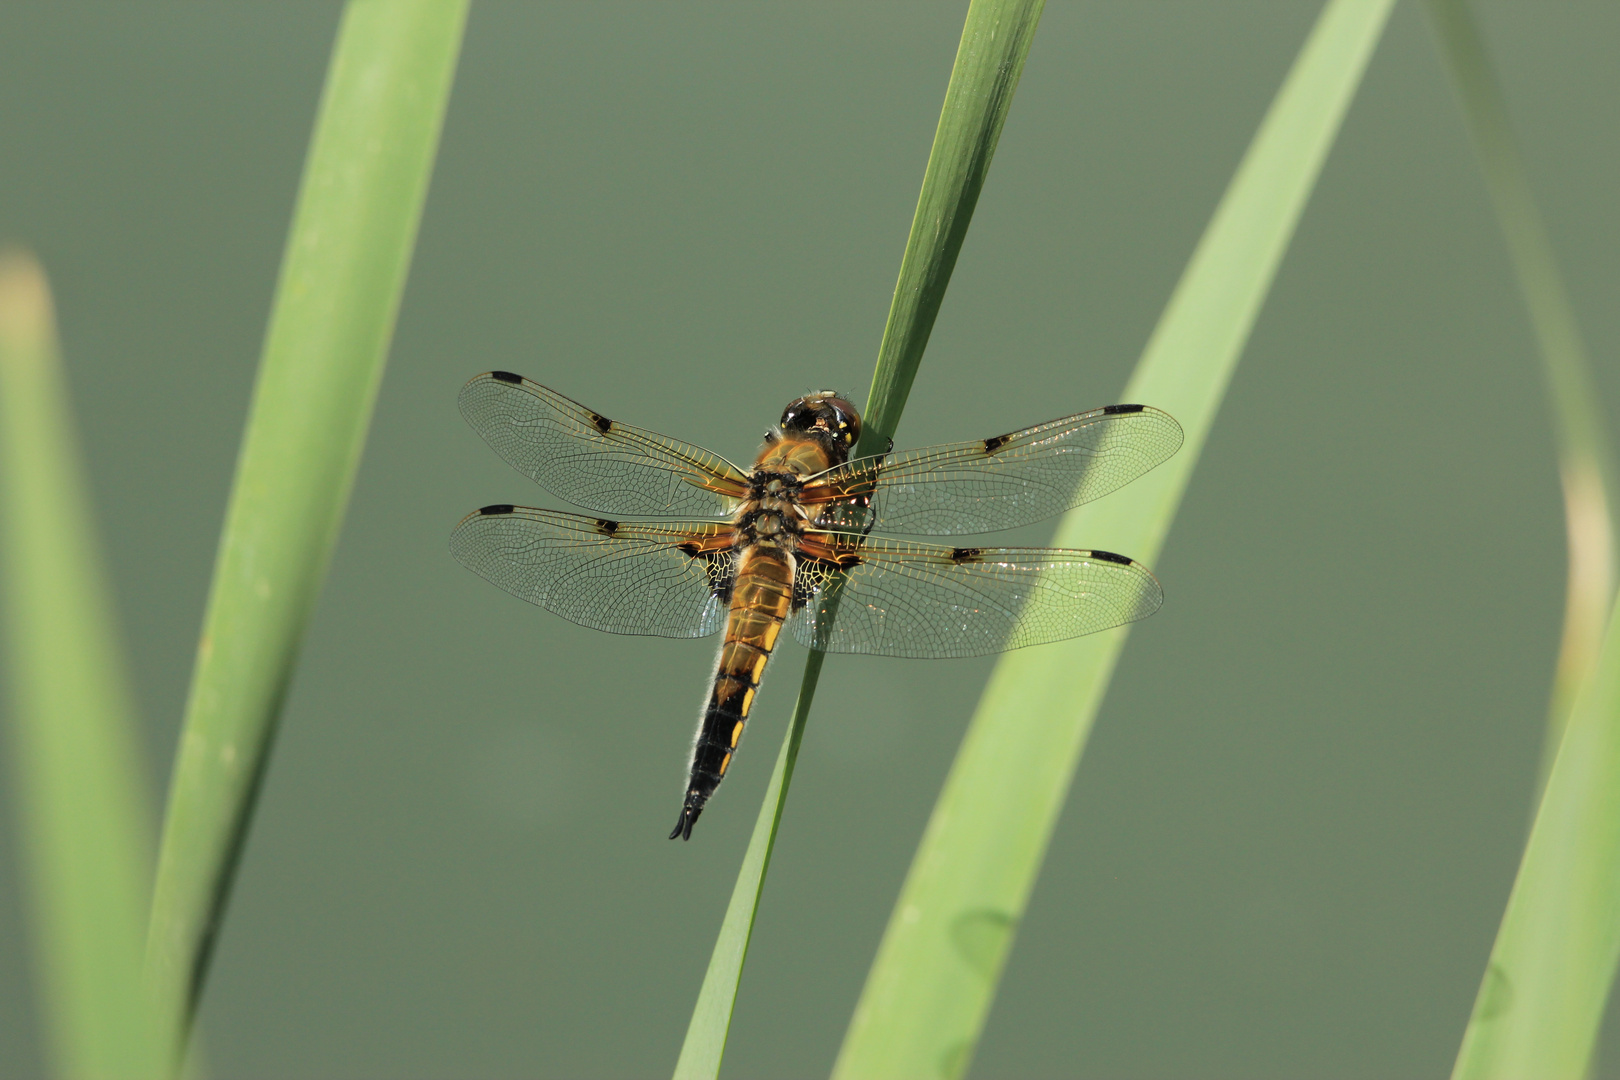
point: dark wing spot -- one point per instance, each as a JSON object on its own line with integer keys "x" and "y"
{"x": 505, "y": 376}
{"x": 1109, "y": 556}
{"x": 608, "y": 528}
{"x": 994, "y": 443}
{"x": 812, "y": 576}
{"x": 721, "y": 570}
{"x": 603, "y": 424}
{"x": 690, "y": 549}
{"x": 1114, "y": 410}
{"x": 966, "y": 555}
{"x": 497, "y": 508}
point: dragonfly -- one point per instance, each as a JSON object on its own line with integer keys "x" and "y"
{"x": 681, "y": 543}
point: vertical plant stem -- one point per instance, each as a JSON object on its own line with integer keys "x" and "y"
{"x": 996, "y": 38}
{"x": 348, "y": 251}
{"x": 1585, "y": 464}
{"x": 78, "y": 782}
{"x": 940, "y": 960}
{"x": 1540, "y": 1006}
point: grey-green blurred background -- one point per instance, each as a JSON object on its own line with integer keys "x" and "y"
{"x": 1296, "y": 824}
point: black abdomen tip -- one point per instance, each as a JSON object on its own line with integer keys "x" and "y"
{"x": 690, "y": 809}
{"x": 505, "y": 376}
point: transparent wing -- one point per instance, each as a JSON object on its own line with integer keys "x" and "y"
{"x": 594, "y": 462}
{"x": 623, "y": 577}
{"x": 996, "y": 483}
{"x": 894, "y": 598}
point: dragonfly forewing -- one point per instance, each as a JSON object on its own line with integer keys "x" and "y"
{"x": 997, "y": 483}
{"x": 603, "y": 465}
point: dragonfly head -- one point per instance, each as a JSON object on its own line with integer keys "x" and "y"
{"x": 826, "y": 417}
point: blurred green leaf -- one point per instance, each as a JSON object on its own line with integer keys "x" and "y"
{"x": 937, "y": 968}
{"x": 1541, "y": 1003}
{"x": 353, "y": 230}
{"x": 989, "y": 61}
{"x": 78, "y": 779}
{"x": 1585, "y": 459}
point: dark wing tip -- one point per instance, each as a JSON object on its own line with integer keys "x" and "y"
{"x": 1109, "y": 556}
{"x": 1160, "y": 415}
{"x": 496, "y": 508}
{"x": 505, "y": 376}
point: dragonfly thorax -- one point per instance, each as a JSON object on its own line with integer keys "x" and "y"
{"x": 770, "y": 520}
{"x": 769, "y": 484}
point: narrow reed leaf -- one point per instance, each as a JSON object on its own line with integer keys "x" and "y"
{"x": 937, "y": 968}
{"x": 1584, "y": 451}
{"x": 989, "y": 62}
{"x": 705, "y": 1041}
{"x": 1542, "y": 1000}
{"x": 78, "y": 781}
{"x": 344, "y": 268}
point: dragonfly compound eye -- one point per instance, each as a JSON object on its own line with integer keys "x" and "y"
{"x": 824, "y": 412}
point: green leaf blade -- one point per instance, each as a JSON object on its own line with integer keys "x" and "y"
{"x": 342, "y": 275}
{"x": 79, "y": 782}
{"x": 937, "y": 968}
{"x": 1541, "y": 1004}
{"x": 1585, "y": 454}
{"x": 996, "y": 38}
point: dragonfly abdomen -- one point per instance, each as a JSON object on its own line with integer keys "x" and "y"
{"x": 760, "y": 600}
